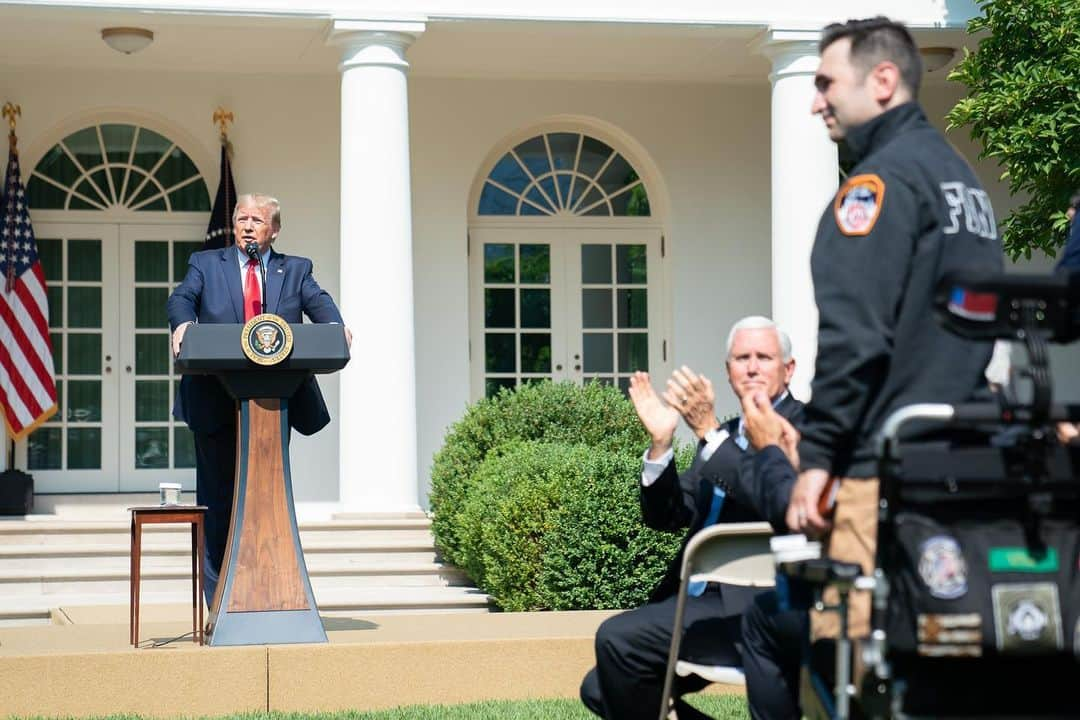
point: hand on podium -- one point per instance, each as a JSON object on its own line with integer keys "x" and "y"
{"x": 178, "y": 338}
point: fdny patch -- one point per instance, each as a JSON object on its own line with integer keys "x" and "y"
{"x": 858, "y": 204}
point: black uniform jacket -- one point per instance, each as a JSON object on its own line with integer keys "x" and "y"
{"x": 909, "y": 212}
{"x": 674, "y": 501}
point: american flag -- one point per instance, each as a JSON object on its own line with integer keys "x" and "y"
{"x": 27, "y": 381}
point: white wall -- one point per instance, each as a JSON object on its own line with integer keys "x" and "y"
{"x": 286, "y": 142}
{"x": 710, "y": 145}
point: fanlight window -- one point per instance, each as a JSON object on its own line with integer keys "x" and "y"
{"x": 117, "y": 166}
{"x": 563, "y": 174}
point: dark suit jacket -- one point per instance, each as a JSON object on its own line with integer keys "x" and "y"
{"x": 212, "y": 293}
{"x": 676, "y": 501}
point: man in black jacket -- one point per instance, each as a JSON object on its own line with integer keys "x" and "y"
{"x": 632, "y": 647}
{"x": 910, "y": 211}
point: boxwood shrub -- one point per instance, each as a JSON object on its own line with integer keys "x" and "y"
{"x": 595, "y": 415}
{"x": 535, "y": 496}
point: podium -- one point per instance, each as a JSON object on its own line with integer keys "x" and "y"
{"x": 264, "y": 594}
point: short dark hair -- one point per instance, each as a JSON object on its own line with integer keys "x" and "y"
{"x": 876, "y": 39}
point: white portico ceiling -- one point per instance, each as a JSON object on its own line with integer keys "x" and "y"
{"x": 186, "y": 42}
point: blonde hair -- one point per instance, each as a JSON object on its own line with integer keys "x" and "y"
{"x": 260, "y": 201}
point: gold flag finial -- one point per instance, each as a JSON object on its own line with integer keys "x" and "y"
{"x": 222, "y": 118}
{"x": 11, "y": 111}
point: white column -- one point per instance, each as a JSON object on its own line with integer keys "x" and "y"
{"x": 378, "y": 448}
{"x": 804, "y": 180}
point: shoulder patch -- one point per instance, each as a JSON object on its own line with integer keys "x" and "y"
{"x": 858, "y": 204}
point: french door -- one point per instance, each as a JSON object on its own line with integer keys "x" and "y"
{"x": 114, "y": 431}
{"x": 564, "y": 304}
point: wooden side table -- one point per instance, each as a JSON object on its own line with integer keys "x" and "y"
{"x": 194, "y": 515}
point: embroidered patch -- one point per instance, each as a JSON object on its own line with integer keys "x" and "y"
{"x": 1021, "y": 559}
{"x": 858, "y": 204}
{"x": 950, "y": 635}
{"x": 942, "y": 567}
{"x": 1027, "y": 617}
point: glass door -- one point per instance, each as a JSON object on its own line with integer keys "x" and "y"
{"x": 614, "y": 319}
{"x": 517, "y": 333}
{"x": 75, "y": 451}
{"x": 560, "y": 304}
{"x": 153, "y": 447}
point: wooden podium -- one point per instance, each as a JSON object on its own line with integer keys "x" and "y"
{"x": 263, "y": 594}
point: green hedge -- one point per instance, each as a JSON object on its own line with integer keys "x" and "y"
{"x": 535, "y": 496}
{"x": 594, "y": 415}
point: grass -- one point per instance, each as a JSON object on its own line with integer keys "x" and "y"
{"x": 721, "y": 707}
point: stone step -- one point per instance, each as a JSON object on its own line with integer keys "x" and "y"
{"x": 332, "y": 602}
{"x": 59, "y": 532}
{"x": 365, "y": 564}
{"x": 50, "y": 558}
{"x": 94, "y": 581}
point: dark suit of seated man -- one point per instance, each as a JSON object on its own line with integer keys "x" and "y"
{"x": 225, "y": 286}
{"x": 632, "y": 647}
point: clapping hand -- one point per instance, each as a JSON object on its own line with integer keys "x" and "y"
{"x": 659, "y": 419}
{"x": 764, "y": 426}
{"x": 692, "y": 396}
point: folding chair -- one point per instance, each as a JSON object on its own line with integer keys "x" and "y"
{"x": 731, "y": 553}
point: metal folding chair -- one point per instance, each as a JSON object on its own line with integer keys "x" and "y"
{"x": 730, "y": 553}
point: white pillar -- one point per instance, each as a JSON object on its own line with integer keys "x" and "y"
{"x": 378, "y": 448}
{"x": 804, "y": 179}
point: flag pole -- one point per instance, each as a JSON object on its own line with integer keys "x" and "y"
{"x": 219, "y": 231}
{"x": 10, "y": 112}
{"x": 222, "y": 118}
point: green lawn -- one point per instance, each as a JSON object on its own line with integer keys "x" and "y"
{"x": 722, "y": 707}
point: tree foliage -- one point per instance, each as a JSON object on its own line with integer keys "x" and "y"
{"x": 1023, "y": 108}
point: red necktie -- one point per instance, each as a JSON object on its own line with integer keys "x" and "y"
{"x": 252, "y": 297}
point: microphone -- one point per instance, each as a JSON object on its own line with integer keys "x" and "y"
{"x": 252, "y": 251}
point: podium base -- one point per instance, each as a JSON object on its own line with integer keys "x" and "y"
{"x": 268, "y": 628}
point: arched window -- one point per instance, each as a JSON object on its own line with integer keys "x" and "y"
{"x": 117, "y": 166}
{"x": 564, "y": 173}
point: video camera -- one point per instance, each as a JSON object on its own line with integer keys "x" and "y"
{"x": 976, "y": 594}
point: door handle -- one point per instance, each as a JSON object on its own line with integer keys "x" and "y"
{"x": 127, "y": 368}
{"x": 108, "y": 369}
{"x": 577, "y": 367}
{"x": 558, "y": 367}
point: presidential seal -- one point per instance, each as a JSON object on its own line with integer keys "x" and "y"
{"x": 266, "y": 339}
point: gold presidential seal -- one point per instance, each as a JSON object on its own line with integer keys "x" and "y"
{"x": 266, "y": 339}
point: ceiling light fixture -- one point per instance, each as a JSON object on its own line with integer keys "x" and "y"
{"x": 127, "y": 39}
{"x": 936, "y": 58}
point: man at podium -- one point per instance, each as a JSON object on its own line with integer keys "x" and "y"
{"x": 226, "y": 286}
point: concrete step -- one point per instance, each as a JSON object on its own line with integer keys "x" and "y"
{"x": 332, "y": 602}
{"x": 356, "y": 564}
{"x": 51, "y": 558}
{"x": 325, "y": 574}
{"x": 51, "y": 531}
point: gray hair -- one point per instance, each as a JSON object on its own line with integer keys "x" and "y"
{"x": 260, "y": 201}
{"x": 760, "y": 322}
